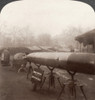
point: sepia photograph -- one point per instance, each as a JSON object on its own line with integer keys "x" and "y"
{"x": 47, "y": 49}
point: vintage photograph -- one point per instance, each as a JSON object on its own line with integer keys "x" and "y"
{"x": 47, "y": 50}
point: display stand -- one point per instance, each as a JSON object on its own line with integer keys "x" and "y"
{"x": 51, "y": 78}
{"x": 72, "y": 83}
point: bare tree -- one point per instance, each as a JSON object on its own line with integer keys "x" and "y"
{"x": 44, "y": 39}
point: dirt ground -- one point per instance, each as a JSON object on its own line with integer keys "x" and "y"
{"x": 15, "y": 86}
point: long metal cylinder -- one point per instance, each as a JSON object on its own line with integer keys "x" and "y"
{"x": 77, "y": 62}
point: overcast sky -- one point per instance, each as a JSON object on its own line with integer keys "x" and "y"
{"x": 46, "y": 16}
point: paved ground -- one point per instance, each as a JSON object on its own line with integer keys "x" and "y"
{"x": 15, "y": 86}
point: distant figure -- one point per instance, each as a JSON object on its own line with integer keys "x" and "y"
{"x": 29, "y": 67}
{"x": 5, "y": 57}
